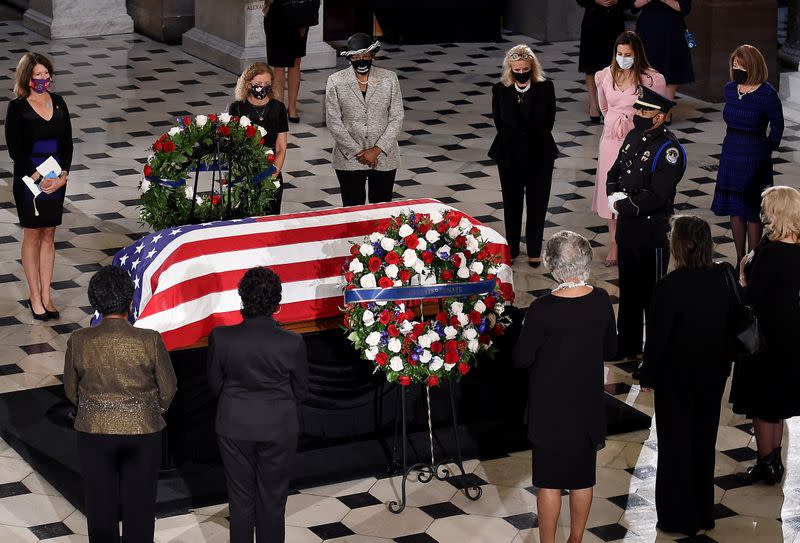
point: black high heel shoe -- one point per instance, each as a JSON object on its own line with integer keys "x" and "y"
{"x": 38, "y": 316}
{"x": 55, "y": 315}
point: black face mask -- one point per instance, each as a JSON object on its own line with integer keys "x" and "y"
{"x": 642, "y": 123}
{"x": 522, "y": 77}
{"x": 361, "y": 66}
{"x": 259, "y": 92}
{"x": 739, "y": 76}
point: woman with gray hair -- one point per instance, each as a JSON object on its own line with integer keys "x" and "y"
{"x": 524, "y": 110}
{"x": 565, "y": 339}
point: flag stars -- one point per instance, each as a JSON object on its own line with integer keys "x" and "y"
{"x": 151, "y": 253}
{"x": 139, "y": 248}
{"x": 124, "y": 259}
{"x": 156, "y": 238}
{"x": 135, "y": 263}
{"x": 175, "y": 232}
{"x": 136, "y": 282}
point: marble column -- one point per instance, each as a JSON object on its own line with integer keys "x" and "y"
{"x": 546, "y": 20}
{"x": 162, "y": 20}
{"x": 790, "y": 52}
{"x": 77, "y": 18}
{"x": 230, "y": 34}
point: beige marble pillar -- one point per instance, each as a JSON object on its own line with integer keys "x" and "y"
{"x": 77, "y": 18}
{"x": 162, "y": 20}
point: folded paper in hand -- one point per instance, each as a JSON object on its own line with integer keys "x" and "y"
{"x": 48, "y": 166}
{"x": 32, "y": 186}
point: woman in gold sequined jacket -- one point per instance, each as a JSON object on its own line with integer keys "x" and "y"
{"x": 121, "y": 380}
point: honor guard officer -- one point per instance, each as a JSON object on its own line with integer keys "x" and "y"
{"x": 641, "y": 188}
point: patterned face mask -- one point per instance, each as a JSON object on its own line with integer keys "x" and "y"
{"x": 40, "y": 85}
{"x": 260, "y": 91}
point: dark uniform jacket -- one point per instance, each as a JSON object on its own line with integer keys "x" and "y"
{"x": 648, "y": 169}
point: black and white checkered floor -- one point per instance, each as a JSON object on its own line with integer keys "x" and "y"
{"x": 123, "y": 92}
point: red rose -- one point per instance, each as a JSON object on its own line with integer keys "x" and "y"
{"x": 475, "y": 317}
{"x": 451, "y": 346}
{"x": 411, "y": 362}
{"x": 409, "y": 315}
{"x": 433, "y": 381}
{"x": 163, "y": 137}
{"x": 250, "y": 131}
{"x": 271, "y": 158}
{"x": 475, "y": 231}
{"x": 507, "y": 290}
{"x": 148, "y": 170}
{"x": 468, "y": 254}
{"x": 261, "y": 141}
{"x": 224, "y": 130}
{"x": 235, "y": 119}
{"x": 482, "y": 254}
{"x": 484, "y": 339}
{"x": 385, "y": 282}
{"x": 411, "y": 241}
{"x": 349, "y": 276}
{"x": 447, "y": 275}
{"x": 424, "y": 227}
{"x": 474, "y": 278}
{"x": 187, "y": 121}
{"x": 498, "y": 329}
{"x": 392, "y": 330}
{"x": 405, "y": 276}
{"x": 442, "y": 317}
{"x": 427, "y": 257}
{"x": 354, "y": 249}
{"x": 463, "y": 368}
{"x": 419, "y": 328}
{"x": 169, "y": 147}
{"x": 212, "y": 118}
{"x": 384, "y": 317}
{"x": 216, "y": 199}
{"x": 490, "y": 302}
{"x": 349, "y": 287}
{"x": 442, "y": 228}
{"x": 404, "y": 380}
{"x": 451, "y": 357}
{"x": 436, "y": 347}
{"x": 454, "y": 321}
{"x": 457, "y": 261}
{"x": 158, "y": 146}
{"x": 460, "y": 242}
{"x": 392, "y": 258}
{"x": 381, "y": 358}
{"x": 452, "y": 219}
{"x": 374, "y": 264}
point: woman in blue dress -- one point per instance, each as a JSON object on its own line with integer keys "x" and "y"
{"x": 745, "y": 167}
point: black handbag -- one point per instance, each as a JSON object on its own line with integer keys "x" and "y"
{"x": 299, "y": 13}
{"x": 747, "y": 332}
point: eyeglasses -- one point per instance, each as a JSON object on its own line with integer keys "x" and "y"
{"x": 520, "y": 56}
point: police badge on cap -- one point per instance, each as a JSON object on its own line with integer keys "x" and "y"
{"x": 650, "y": 100}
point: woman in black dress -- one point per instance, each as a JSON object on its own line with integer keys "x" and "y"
{"x": 602, "y": 22}
{"x": 286, "y": 26}
{"x": 524, "y": 110}
{"x": 565, "y": 338}
{"x": 254, "y": 100}
{"x": 773, "y": 289}
{"x": 38, "y": 127}
{"x": 687, "y": 361}
{"x": 663, "y": 31}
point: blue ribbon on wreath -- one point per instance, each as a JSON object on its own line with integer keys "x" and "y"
{"x": 446, "y": 290}
{"x": 175, "y": 183}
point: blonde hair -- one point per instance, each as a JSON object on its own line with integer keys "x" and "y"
{"x": 22, "y": 79}
{"x": 752, "y": 61}
{"x": 537, "y": 74}
{"x": 243, "y": 84}
{"x": 780, "y": 208}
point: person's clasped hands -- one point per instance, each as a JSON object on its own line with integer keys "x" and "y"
{"x": 369, "y": 157}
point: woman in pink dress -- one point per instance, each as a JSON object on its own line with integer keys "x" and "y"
{"x": 616, "y": 90}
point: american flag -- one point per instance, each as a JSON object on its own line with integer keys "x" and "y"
{"x": 186, "y": 277}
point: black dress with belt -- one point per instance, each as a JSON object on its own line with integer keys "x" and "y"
{"x": 31, "y": 140}
{"x": 273, "y": 118}
{"x": 285, "y": 40}
{"x": 600, "y": 28}
{"x": 663, "y": 33}
{"x": 525, "y": 152}
{"x": 687, "y": 362}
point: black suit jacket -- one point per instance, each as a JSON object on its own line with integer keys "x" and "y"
{"x": 525, "y": 130}
{"x": 260, "y": 372}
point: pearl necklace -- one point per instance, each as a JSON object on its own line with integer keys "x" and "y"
{"x": 570, "y": 284}
{"x": 742, "y": 94}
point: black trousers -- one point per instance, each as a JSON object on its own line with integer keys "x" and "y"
{"x": 639, "y": 270}
{"x": 120, "y": 474}
{"x": 274, "y": 207}
{"x": 529, "y": 183}
{"x": 257, "y": 475}
{"x": 354, "y": 186}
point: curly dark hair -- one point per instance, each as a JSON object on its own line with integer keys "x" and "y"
{"x": 111, "y": 291}
{"x": 260, "y": 291}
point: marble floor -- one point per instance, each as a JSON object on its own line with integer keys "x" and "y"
{"x": 124, "y": 91}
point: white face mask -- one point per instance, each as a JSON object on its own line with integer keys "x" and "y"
{"x": 626, "y": 63}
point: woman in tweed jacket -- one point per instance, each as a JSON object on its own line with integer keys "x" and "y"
{"x": 364, "y": 111}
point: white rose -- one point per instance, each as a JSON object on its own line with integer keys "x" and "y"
{"x": 422, "y": 245}
{"x": 388, "y": 244}
{"x": 368, "y": 317}
{"x": 405, "y": 231}
{"x": 479, "y": 306}
{"x": 356, "y": 266}
{"x": 463, "y": 319}
{"x": 437, "y": 364}
{"x": 477, "y": 267}
{"x": 464, "y": 224}
{"x": 433, "y": 335}
{"x": 444, "y": 249}
{"x": 188, "y": 190}
{"x": 380, "y": 303}
{"x": 224, "y": 117}
{"x": 473, "y": 346}
{"x": 200, "y": 120}
{"x": 261, "y": 131}
{"x": 436, "y": 217}
{"x": 373, "y": 338}
{"x": 463, "y": 272}
{"x": 244, "y": 122}
{"x": 375, "y": 237}
{"x": 145, "y": 186}
{"x": 199, "y": 200}
{"x": 392, "y": 271}
{"x": 432, "y": 236}
{"x": 425, "y": 357}
{"x": 368, "y": 281}
{"x": 276, "y": 182}
{"x": 419, "y": 266}
{"x": 371, "y": 353}
{"x": 428, "y": 280}
{"x": 450, "y": 332}
{"x": 494, "y": 270}
{"x": 424, "y": 341}
{"x": 396, "y": 363}
{"x": 409, "y": 257}
{"x": 453, "y": 232}
{"x": 470, "y": 333}
{"x": 398, "y": 283}
{"x": 499, "y": 308}
{"x": 472, "y": 244}
{"x": 447, "y": 367}
{"x": 366, "y": 249}
{"x": 406, "y": 327}
{"x": 395, "y": 345}
{"x": 457, "y": 308}
{"x": 174, "y": 131}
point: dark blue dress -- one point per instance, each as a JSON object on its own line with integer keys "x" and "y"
{"x": 663, "y": 33}
{"x": 745, "y": 167}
